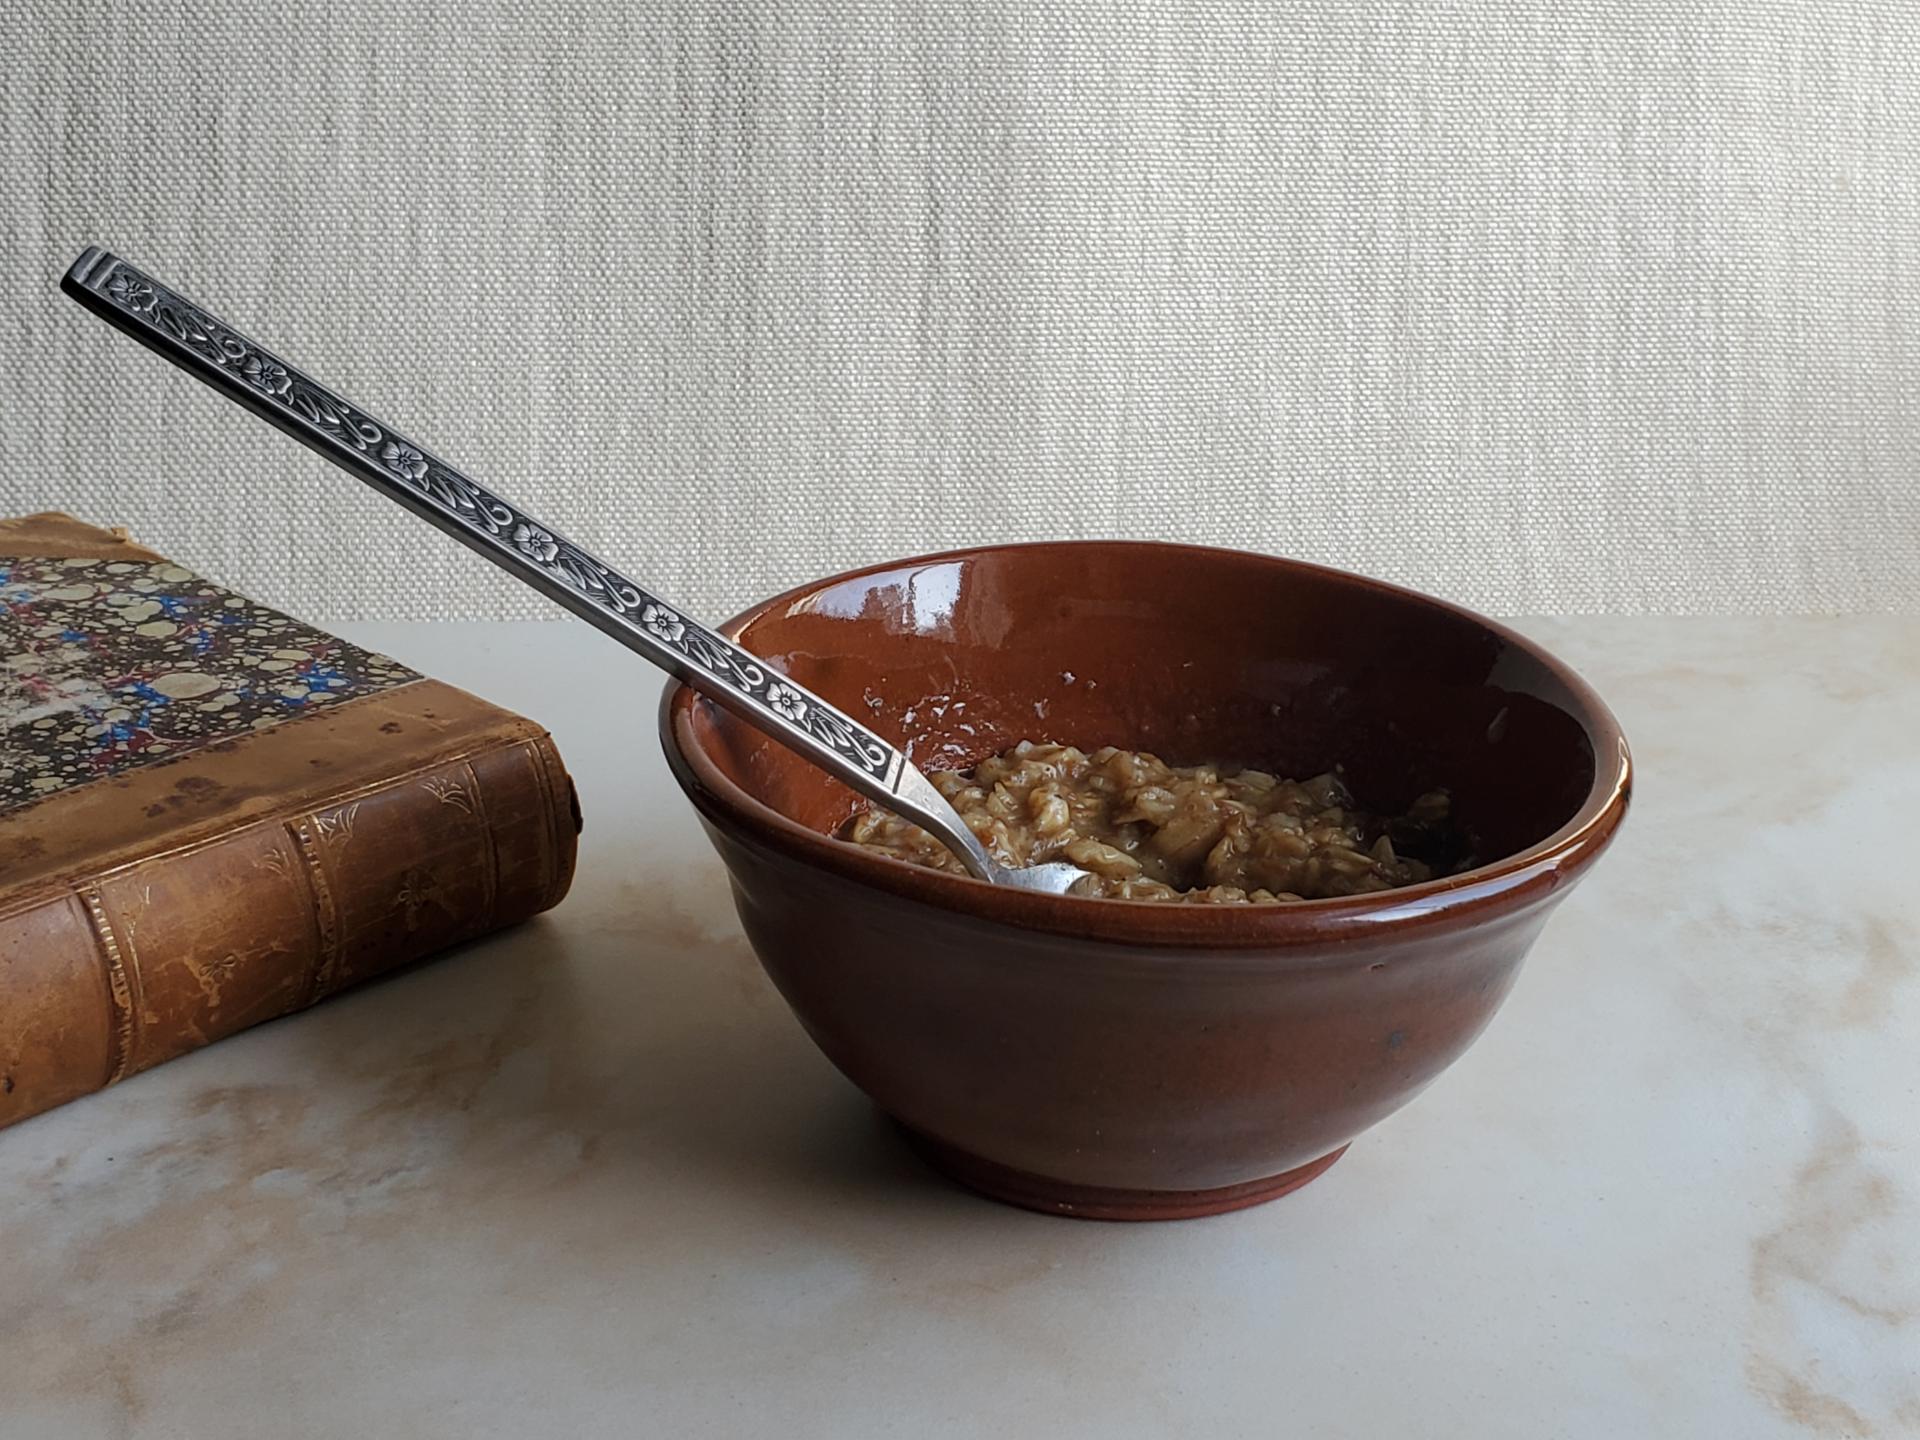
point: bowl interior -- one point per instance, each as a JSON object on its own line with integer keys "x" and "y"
{"x": 1196, "y": 655}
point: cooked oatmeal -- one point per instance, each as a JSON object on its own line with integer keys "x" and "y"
{"x": 1146, "y": 830}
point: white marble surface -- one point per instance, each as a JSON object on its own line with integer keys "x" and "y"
{"x": 590, "y": 1178}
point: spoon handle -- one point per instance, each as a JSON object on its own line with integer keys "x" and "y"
{"x": 411, "y": 475}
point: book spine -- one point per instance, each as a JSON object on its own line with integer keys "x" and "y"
{"x": 126, "y": 969}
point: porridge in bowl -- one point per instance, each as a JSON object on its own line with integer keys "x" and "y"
{"x": 1204, "y": 834}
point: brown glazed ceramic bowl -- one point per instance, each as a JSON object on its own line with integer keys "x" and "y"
{"x": 1127, "y": 1059}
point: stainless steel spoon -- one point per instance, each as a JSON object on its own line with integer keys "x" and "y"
{"x": 408, "y": 473}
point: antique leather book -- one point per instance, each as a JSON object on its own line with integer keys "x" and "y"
{"x": 212, "y": 815}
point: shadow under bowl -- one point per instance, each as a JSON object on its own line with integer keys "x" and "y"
{"x": 1131, "y": 1059}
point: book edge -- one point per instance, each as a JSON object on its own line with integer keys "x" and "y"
{"x": 490, "y": 727}
{"x": 119, "y": 971}
{"x": 54, "y": 535}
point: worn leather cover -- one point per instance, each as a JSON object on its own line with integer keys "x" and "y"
{"x": 176, "y": 871}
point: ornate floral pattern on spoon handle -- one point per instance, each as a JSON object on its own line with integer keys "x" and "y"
{"x": 414, "y": 476}
{"x": 498, "y": 529}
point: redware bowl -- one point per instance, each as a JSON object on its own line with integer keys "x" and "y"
{"x": 1126, "y": 1059}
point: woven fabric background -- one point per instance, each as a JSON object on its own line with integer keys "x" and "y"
{"x": 1545, "y": 305}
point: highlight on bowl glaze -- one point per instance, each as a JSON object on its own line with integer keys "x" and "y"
{"x": 1135, "y": 1060}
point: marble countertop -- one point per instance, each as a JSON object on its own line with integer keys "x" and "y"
{"x": 589, "y": 1178}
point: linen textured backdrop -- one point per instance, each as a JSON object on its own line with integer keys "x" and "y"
{"x": 1540, "y": 304}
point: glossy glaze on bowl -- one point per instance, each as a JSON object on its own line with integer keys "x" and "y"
{"x": 1133, "y": 1059}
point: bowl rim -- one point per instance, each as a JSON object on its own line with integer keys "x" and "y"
{"x": 1517, "y": 881}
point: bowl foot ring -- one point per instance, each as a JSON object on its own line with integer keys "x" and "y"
{"x": 1097, "y": 1202}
